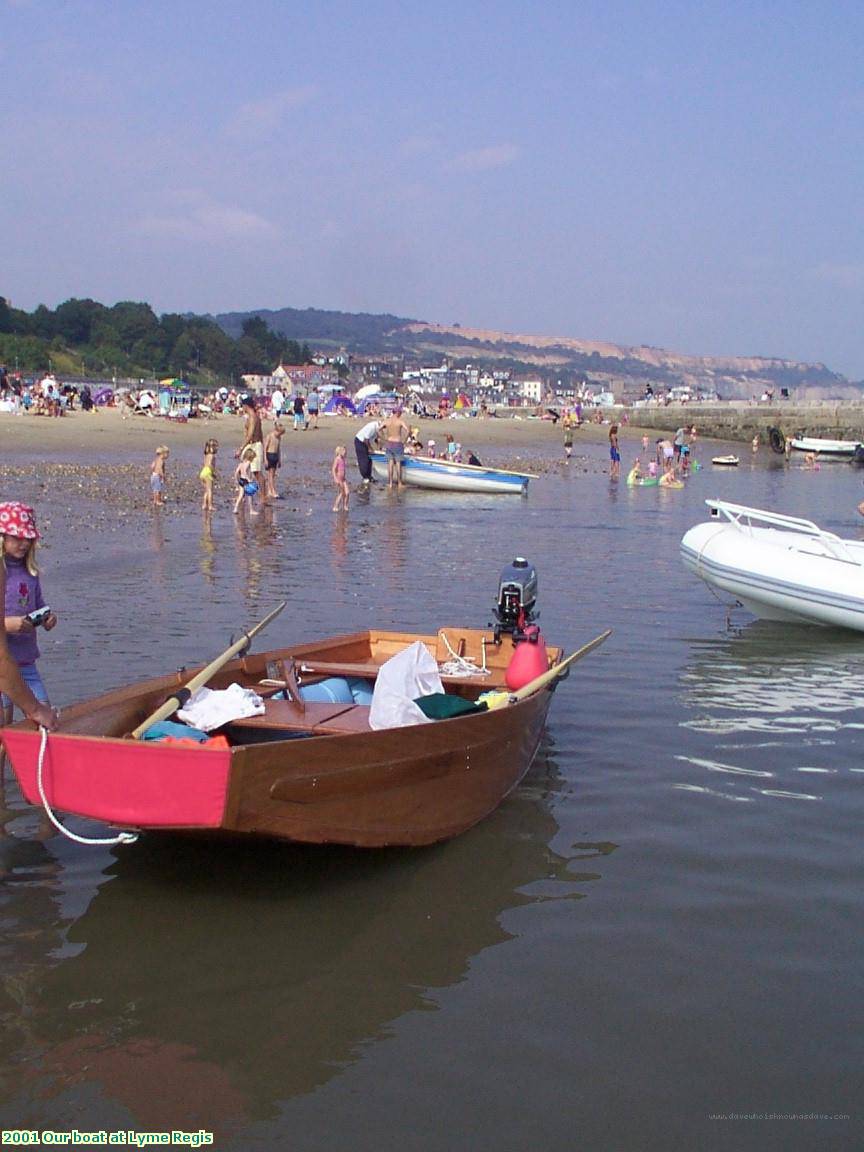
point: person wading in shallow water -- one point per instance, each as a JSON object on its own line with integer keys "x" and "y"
{"x": 614, "y": 454}
{"x": 367, "y": 434}
{"x": 396, "y": 432}
{"x": 253, "y": 437}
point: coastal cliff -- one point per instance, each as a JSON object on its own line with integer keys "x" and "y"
{"x": 627, "y": 370}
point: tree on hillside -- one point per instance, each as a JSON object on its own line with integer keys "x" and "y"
{"x": 215, "y": 349}
{"x": 42, "y": 323}
{"x": 74, "y": 319}
{"x": 131, "y": 321}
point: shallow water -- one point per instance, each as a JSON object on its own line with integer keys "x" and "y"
{"x": 659, "y": 927}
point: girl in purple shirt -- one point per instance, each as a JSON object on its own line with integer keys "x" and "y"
{"x": 23, "y": 593}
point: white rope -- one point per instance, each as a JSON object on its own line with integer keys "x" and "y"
{"x": 462, "y": 665}
{"x": 121, "y": 838}
{"x": 730, "y": 608}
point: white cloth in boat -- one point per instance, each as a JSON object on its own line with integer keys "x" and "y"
{"x": 401, "y": 679}
{"x": 208, "y": 709}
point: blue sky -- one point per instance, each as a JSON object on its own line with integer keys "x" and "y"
{"x": 687, "y": 175}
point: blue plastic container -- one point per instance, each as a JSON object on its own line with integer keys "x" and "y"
{"x": 336, "y": 690}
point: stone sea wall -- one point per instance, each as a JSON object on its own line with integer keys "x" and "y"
{"x": 743, "y": 421}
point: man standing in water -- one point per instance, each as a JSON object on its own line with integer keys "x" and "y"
{"x": 253, "y": 438}
{"x": 362, "y": 440}
{"x": 396, "y": 432}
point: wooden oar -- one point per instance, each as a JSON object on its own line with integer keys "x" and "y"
{"x": 182, "y": 694}
{"x": 547, "y": 677}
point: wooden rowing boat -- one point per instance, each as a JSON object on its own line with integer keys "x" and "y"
{"x": 313, "y": 772}
{"x": 429, "y": 472}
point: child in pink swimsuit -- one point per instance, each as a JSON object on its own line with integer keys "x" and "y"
{"x": 337, "y": 471}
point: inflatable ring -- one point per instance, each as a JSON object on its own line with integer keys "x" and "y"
{"x": 777, "y": 440}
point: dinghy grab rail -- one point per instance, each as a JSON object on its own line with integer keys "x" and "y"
{"x": 743, "y": 516}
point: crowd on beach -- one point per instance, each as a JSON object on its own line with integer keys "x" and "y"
{"x": 258, "y": 458}
{"x": 44, "y": 397}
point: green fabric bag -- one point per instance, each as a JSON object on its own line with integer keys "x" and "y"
{"x": 440, "y": 706}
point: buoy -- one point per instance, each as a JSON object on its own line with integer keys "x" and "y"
{"x": 529, "y": 659}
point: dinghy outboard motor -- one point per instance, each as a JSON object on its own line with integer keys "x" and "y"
{"x": 517, "y": 597}
{"x": 515, "y": 611}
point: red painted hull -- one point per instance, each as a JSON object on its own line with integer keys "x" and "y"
{"x": 123, "y": 782}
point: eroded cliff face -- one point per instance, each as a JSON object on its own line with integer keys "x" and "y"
{"x": 630, "y": 368}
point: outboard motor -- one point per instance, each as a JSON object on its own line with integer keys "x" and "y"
{"x": 515, "y": 611}
{"x": 517, "y": 597}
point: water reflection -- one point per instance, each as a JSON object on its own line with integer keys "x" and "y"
{"x": 158, "y": 567}
{"x": 248, "y": 556}
{"x": 392, "y": 536}
{"x": 772, "y": 677}
{"x": 766, "y": 706}
{"x": 207, "y": 549}
{"x": 213, "y": 980}
{"x": 339, "y": 544}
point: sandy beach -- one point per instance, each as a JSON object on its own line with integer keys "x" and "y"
{"x": 103, "y": 457}
{"x": 104, "y": 429}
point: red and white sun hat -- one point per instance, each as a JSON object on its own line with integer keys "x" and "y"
{"x": 17, "y": 519}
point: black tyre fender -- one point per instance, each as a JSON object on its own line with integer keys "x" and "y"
{"x": 777, "y": 440}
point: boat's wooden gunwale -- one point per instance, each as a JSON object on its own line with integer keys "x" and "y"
{"x": 357, "y": 654}
{"x": 341, "y": 782}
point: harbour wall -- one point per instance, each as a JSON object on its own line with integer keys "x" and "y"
{"x": 743, "y": 421}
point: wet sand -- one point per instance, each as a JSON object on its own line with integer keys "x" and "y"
{"x": 102, "y": 458}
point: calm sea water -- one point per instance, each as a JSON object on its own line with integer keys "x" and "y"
{"x": 658, "y": 932}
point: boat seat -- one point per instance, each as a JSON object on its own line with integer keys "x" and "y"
{"x": 354, "y": 719}
{"x": 287, "y": 714}
{"x": 317, "y": 719}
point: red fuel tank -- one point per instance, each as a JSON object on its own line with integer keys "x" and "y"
{"x": 529, "y": 660}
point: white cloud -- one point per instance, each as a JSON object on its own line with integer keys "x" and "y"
{"x": 263, "y": 117}
{"x": 420, "y": 145}
{"x": 847, "y": 276}
{"x": 484, "y": 159}
{"x": 196, "y": 217}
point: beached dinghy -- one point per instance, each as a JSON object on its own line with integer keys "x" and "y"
{"x": 428, "y": 472}
{"x": 309, "y": 766}
{"x": 824, "y": 447}
{"x": 779, "y": 567}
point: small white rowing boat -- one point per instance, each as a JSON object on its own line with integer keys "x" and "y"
{"x": 428, "y": 472}
{"x": 825, "y": 447}
{"x": 779, "y": 567}
{"x": 727, "y": 461}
